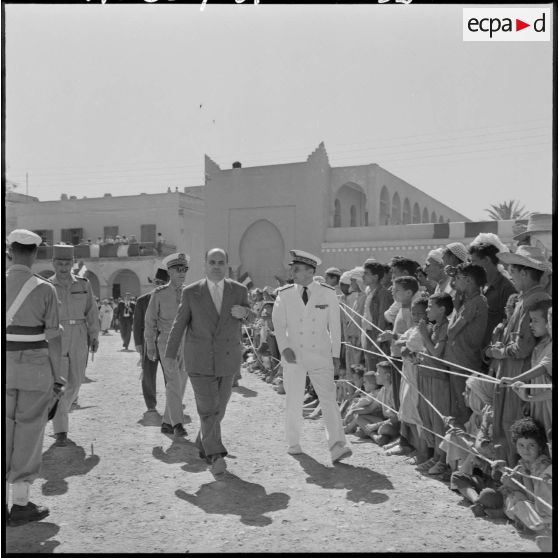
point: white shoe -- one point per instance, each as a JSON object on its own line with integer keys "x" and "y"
{"x": 340, "y": 452}
{"x": 295, "y": 450}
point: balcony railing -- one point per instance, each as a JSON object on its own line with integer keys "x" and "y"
{"x": 86, "y": 251}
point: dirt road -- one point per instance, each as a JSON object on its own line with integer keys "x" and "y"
{"x": 125, "y": 487}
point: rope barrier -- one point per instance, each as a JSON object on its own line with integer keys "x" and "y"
{"x": 480, "y": 375}
{"x": 256, "y": 353}
{"x": 467, "y": 450}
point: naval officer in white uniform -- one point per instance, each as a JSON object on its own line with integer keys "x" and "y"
{"x": 306, "y": 320}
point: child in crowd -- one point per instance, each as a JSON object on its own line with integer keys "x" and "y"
{"x": 498, "y": 333}
{"x": 404, "y": 289}
{"x": 465, "y": 333}
{"x": 527, "y": 507}
{"x": 410, "y": 343}
{"x": 540, "y": 400}
{"x": 381, "y": 424}
{"x": 362, "y": 405}
{"x": 434, "y": 384}
{"x": 353, "y": 330}
{"x": 527, "y": 266}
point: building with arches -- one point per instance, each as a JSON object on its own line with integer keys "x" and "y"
{"x": 259, "y": 213}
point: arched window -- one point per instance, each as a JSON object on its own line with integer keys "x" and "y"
{"x": 406, "y": 212}
{"x": 433, "y": 217}
{"x": 337, "y": 214}
{"x": 416, "y": 213}
{"x": 396, "y": 210}
{"x": 384, "y": 206}
{"x": 441, "y": 219}
{"x": 425, "y": 216}
{"x": 353, "y": 216}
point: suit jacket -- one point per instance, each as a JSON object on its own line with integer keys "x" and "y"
{"x": 120, "y": 311}
{"x": 380, "y": 301}
{"x": 213, "y": 343}
{"x": 139, "y": 318}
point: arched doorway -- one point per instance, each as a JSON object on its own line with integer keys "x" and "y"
{"x": 416, "y": 213}
{"x": 124, "y": 280}
{"x": 352, "y": 200}
{"x": 396, "y": 210}
{"x": 425, "y": 218}
{"x": 384, "y": 206}
{"x": 406, "y": 212}
{"x": 262, "y": 250}
{"x": 433, "y": 217}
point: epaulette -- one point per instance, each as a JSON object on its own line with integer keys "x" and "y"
{"x": 284, "y": 287}
{"x": 82, "y": 278}
{"x": 161, "y": 287}
{"x": 327, "y": 286}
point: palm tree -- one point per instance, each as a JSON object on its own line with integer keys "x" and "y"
{"x": 507, "y": 210}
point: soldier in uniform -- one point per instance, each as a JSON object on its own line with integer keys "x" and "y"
{"x": 33, "y": 353}
{"x": 79, "y": 318}
{"x": 148, "y": 367}
{"x": 307, "y": 324}
{"x": 159, "y": 317}
{"x": 332, "y": 278}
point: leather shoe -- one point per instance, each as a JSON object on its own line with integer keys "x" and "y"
{"x": 179, "y": 431}
{"x": 218, "y": 465}
{"x": 19, "y": 515}
{"x": 61, "y": 440}
{"x": 295, "y": 450}
{"x": 166, "y": 428}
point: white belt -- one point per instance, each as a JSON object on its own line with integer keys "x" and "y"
{"x": 30, "y": 338}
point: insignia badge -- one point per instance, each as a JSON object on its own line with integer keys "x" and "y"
{"x": 321, "y": 306}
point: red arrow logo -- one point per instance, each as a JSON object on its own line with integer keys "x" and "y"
{"x": 519, "y": 25}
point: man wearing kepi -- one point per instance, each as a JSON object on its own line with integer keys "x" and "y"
{"x": 211, "y": 312}
{"x": 33, "y": 350}
{"x": 159, "y": 318}
{"x": 306, "y": 319}
{"x": 79, "y": 317}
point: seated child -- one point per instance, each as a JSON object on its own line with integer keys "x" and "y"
{"x": 434, "y": 384}
{"x": 355, "y": 378}
{"x": 540, "y": 400}
{"x": 361, "y": 405}
{"x": 381, "y": 424}
{"x": 528, "y": 509}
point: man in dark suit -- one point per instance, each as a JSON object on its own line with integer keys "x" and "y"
{"x": 149, "y": 367}
{"x": 211, "y": 312}
{"x": 125, "y": 314}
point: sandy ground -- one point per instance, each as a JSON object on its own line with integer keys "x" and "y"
{"x": 125, "y": 487}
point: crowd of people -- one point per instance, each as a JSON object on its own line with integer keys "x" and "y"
{"x": 448, "y": 363}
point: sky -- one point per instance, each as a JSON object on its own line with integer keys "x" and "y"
{"x": 128, "y": 98}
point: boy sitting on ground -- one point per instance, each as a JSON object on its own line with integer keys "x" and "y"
{"x": 381, "y": 424}
{"x": 362, "y": 405}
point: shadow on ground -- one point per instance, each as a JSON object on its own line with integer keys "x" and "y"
{"x": 182, "y": 451}
{"x": 361, "y": 483}
{"x": 61, "y": 463}
{"x": 245, "y": 392}
{"x": 31, "y": 538}
{"x": 234, "y": 496}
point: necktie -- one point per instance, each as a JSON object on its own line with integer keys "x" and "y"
{"x": 305, "y": 295}
{"x": 217, "y": 297}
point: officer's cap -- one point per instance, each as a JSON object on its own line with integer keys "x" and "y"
{"x": 180, "y": 258}
{"x": 299, "y": 256}
{"x": 23, "y": 236}
{"x": 62, "y": 252}
{"x": 333, "y": 271}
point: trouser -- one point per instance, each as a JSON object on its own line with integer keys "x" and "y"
{"x": 149, "y": 381}
{"x": 294, "y": 379}
{"x": 176, "y": 379}
{"x": 212, "y": 393}
{"x": 395, "y": 383}
{"x": 458, "y": 407}
{"x": 26, "y": 418}
{"x": 126, "y": 331}
{"x": 371, "y": 360}
{"x": 74, "y": 362}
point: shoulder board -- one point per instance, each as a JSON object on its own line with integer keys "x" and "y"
{"x": 81, "y": 278}
{"x": 285, "y": 287}
{"x": 160, "y": 287}
{"x": 327, "y": 286}
{"x": 43, "y": 278}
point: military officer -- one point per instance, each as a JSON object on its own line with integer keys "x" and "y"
{"x": 332, "y": 278}
{"x": 79, "y": 316}
{"x": 307, "y": 324}
{"x": 159, "y": 317}
{"x": 33, "y": 353}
